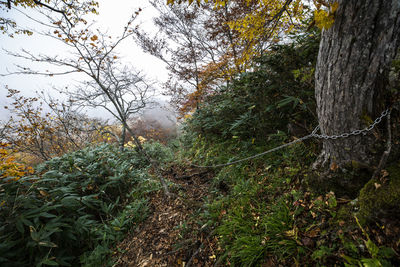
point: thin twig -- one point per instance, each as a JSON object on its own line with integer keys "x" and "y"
{"x": 54, "y": 9}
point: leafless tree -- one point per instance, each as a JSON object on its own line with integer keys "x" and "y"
{"x": 44, "y": 128}
{"x": 198, "y": 47}
{"x": 79, "y": 128}
{"x": 108, "y": 84}
{"x": 124, "y": 93}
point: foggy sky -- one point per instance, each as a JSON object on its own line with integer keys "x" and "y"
{"x": 113, "y": 16}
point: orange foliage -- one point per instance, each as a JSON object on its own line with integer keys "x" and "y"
{"x": 240, "y": 30}
{"x": 9, "y": 168}
{"x": 210, "y": 75}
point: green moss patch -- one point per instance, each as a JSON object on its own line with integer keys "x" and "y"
{"x": 381, "y": 197}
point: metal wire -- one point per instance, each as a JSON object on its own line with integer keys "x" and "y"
{"x": 312, "y": 134}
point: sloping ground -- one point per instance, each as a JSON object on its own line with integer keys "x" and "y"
{"x": 161, "y": 239}
{"x": 322, "y": 226}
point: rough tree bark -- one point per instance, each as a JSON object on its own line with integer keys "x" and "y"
{"x": 351, "y": 76}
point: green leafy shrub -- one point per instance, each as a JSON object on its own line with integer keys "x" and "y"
{"x": 155, "y": 150}
{"x": 159, "y": 152}
{"x": 278, "y": 91}
{"x": 74, "y": 209}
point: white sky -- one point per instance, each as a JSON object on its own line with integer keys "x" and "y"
{"x": 112, "y": 18}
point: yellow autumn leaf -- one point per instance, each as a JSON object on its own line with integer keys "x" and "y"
{"x": 334, "y": 7}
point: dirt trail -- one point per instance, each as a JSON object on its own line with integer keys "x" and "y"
{"x": 171, "y": 235}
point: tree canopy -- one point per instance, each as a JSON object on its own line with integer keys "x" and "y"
{"x": 270, "y": 20}
{"x": 69, "y": 11}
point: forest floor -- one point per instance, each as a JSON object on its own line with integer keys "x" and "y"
{"x": 161, "y": 240}
{"x": 175, "y": 232}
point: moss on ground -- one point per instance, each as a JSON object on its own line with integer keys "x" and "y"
{"x": 381, "y": 196}
{"x": 346, "y": 181}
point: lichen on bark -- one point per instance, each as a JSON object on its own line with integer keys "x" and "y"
{"x": 352, "y": 75}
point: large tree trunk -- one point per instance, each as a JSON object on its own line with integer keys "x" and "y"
{"x": 351, "y": 76}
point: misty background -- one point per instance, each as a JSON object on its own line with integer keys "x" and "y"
{"x": 112, "y": 17}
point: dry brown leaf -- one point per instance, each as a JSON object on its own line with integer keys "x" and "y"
{"x": 377, "y": 185}
{"x": 334, "y": 166}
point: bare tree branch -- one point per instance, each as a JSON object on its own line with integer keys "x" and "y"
{"x": 115, "y": 87}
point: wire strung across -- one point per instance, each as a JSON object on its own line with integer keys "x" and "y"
{"x": 312, "y": 134}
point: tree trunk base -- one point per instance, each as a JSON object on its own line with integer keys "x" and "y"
{"x": 345, "y": 181}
